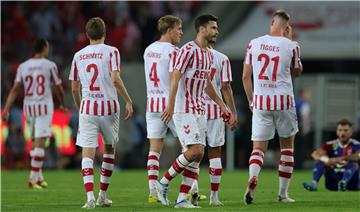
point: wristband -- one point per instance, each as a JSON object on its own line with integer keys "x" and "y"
{"x": 324, "y": 158}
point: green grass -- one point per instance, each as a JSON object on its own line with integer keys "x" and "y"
{"x": 129, "y": 191}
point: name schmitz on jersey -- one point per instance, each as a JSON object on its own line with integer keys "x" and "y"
{"x": 158, "y": 63}
{"x": 272, "y": 59}
{"x": 36, "y": 76}
{"x": 92, "y": 66}
{"x": 220, "y": 72}
{"x": 195, "y": 64}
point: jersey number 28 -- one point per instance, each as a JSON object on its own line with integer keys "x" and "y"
{"x": 40, "y": 85}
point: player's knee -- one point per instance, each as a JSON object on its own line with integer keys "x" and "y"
{"x": 196, "y": 152}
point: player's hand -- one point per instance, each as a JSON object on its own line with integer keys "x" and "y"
{"x": 289, "y": 32}
{"x": 167, "y": 114}
{"x": 251, "y": 106}
{"x": 63, "y": 109}
{"x": 333, "y": 161}
{"x": 128, "y": 110}
{"x": 225, "y": 114}
{"x": 4, "y": 116}
{"x": 233, "y": 122}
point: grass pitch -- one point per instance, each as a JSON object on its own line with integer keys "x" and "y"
{"x": 129, "y": 191}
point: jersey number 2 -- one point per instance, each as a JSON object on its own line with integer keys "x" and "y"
{"x": 153, "y": 75}
{"x": 93, "y": 79}
{"x": 40, "y": 85}
{"x": 267, "y": 61}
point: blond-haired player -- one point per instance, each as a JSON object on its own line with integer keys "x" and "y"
{"x": 158, "y": 64}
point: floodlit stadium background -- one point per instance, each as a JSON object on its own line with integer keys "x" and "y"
{"x": 328, "y": 33}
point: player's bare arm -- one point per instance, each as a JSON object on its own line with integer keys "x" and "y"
{"x": 120, "y": 87}
{"x": 353, "y": 157}
{"x": 321, "y": 155}
{"x": 174, "y": 83}
{"x": 210, "y": 91}
{"x": 75, "y": 89}
{"x": 10, "y": 100}
{"x": 227, "y": 92}
{"x": 246, "y": 78}
{"x": 296, "y": 72}
{"x": 60, "y": 94}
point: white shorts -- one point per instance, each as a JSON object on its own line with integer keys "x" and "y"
{"x": 264, "y": 123}
{"x": 215, "y": 134}
{"x": 90, "y": 126}
{"x": 40, "y": 126}
{"x": 157, "y": 128}
{"x": 191, "y": 128}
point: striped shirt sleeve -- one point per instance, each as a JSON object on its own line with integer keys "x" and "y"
{"x": 248, "y": 55}
{"x": 173, "y": 57}
{"x": 55, "y": 74}
{"x": 184, "y": 58}
{"x": 114, "y": 60}
{"x": 74, "y": 74}
{"x": 296, "y": 61}
{"x": 226, "y": 70}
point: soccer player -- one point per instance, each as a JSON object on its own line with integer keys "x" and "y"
{"x": 272, "y": 59}
{"x": 158, "y": 64}
{"x": 189, "y": 80}
{"x": 338, "y": 161}
{"x": 96, "y": 68}
{"x": 221, "y": 78}
{"x": 37, "y": 75}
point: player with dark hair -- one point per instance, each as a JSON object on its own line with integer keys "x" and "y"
{"x": 190, "y": 79}
{"x": 96, "y": 70}
{"x": 338, "y": 161}
{"x": 272, "y": 59}
{"x": 37, "y": 74}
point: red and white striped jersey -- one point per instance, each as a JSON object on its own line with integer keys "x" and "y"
{"x": 194, "y": 63}
{"x": 220, "y": 72}
{"x": 36, "y": 76}
{"x": 158, "y": 63}
{"x": 272, "y": 58}
{"x": 92, "y": 66}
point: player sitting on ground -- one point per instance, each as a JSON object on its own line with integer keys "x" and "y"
{"x": 337, "y": 161}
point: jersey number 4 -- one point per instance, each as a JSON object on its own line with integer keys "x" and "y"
{"x": 262, "y": 76}
{"x": 40, "y": 85}
{"x": 94, "y": 77}
{"x": 153, "y": 75}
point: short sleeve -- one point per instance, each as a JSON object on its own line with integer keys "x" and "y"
{"x": 173, "y": 56}
{"x": 18, "y": 75}
{"x": 184, "y": 58}
{"x": 248, "y": 55}
{"x": 226, "y": 70}
{"x": 74, "y": 74}
{"x": 114, "y": 60}
{"x": 326, "y": 147}
{"x": 296, "y": 61}
{"x": 55, "y": 74}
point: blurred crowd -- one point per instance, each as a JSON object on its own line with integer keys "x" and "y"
{"x": 131, "y": 26}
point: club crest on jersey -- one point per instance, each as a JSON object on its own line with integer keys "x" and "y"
{"x": 187, "y": 129}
